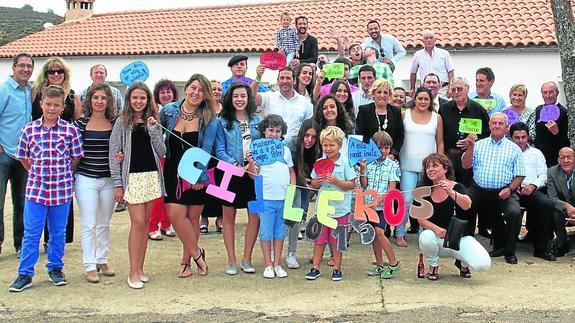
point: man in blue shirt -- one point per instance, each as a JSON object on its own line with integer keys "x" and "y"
{"x": 498, "y": 171}
{"x": 491, "y": 101}
{"x": 15, "y": 113}
{"x": 239, "y": 66}
{"x": 390, "y": 49}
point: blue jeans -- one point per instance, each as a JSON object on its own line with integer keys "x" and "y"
{"x": 272, "y": 225}
{"x": 13, "y": 171}
{"x": 35, "y": 215}
{"x": 408, "y": 183}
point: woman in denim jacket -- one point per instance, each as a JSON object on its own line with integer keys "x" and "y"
{"x": 237, "y": 127}
{"x": 194, "y": 120}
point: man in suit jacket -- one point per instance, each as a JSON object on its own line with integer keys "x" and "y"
{"x": 561, "y": 190}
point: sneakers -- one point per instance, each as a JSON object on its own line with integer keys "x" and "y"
{"x": 57, "y": 277}
{"x": 170, "y": 232}
{"x": 390, "y": 271}
{"x": 121, "y": 207}
{"x": 247, "y": 267}
{"x": 21, "y": 283}
{"x": 300, "y": 236}
{"x": 269, "y": 272}
{"x": 291, "y": 261}
{"x": 313, "y": 274}
{"x": 231, "y": 269}
{"x": 376, "y": 271}
{"x": 155, "y": 235}
{"x": 336, "y": 275}
{"x": 280, "y": 272}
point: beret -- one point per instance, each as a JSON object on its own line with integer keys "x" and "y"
{"x": 237, "y": 59}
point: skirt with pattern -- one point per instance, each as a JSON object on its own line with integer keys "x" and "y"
{"x": 143, "y": 187}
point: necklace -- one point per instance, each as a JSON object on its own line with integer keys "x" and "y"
{"x": 381, "y": 127}
{"x": 187, "y": 116}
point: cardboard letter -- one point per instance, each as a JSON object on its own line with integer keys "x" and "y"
{"x": 291, "y": 213}
{"x": 425, "y": 211}
{"x": 362, "y": 210}
{"x": 324, "y": 209}
{"x": 392, "y": 218}
{"x": 222, "y": 191}
{"x": 187, "y": 168}
{"x": 257, "y": 206}
{"x": 313, "y": 229}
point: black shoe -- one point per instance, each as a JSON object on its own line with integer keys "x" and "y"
{"x": 57, "y": 277}
{"x": 496, "y": 253}
{"x": 545, "y": 254}
{"x": 563, "y": 250}
{"x": 511, "y": 259}
{"x": 21, "y": 283}
{"x": 485, "y": 233}
{"x": 527, "y": 238}
{"x": 121, "y": 207}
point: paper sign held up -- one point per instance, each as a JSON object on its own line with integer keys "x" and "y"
{"x": 549, "y": 112}
{"x": 267, "y": 151}
{"x": 487, "y": 104}
{"x": 273, "y": 60}
{"x": 135, "y": 71}
{"x": 323, "y": 166}
{"x": 470, "y": 125}
{"x": 358, "y": 150}
{"x": 512, "y": 116}
{"x": 334, "y": 70}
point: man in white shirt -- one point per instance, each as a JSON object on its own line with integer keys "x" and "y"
{"x": 431, "y": 59}
{"x": 366, "y": 77}
{"x": 539, "y": 206}
{"x": 287, "y": 103}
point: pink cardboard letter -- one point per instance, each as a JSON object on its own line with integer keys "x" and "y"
{"x": 362, "y": 210}
{"x": 222, "y": 191}
{"x": 392, "y": 218}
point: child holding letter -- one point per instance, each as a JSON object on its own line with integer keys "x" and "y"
{"x": 49, "y": 148}
{"x": 287, "y": 39}
{"x": 276, "y": 178}
{"x": 342, "y": 179}
{"x": 381, "y": 175}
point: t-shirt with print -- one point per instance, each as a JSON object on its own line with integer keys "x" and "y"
{"x": 276, "y": 177}
{"x": 246, "y": 136}
{"x": 342, "y": 171}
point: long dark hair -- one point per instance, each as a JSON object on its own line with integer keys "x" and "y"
{"x": 110, "y": 101}
{"x": 229, "y": 111}
{"x": 342, "y": 120}
{"x": 348, "y": 105}
{"x": 305, "y": 158}
{"x": 422, "y": 89}
{"x": 442, "y": 160}
{"x": 149, "y": 110}
{"x": 310, "y": 86}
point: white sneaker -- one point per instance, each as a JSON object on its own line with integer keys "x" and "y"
{"x": 280, "y": 272}
{"x": 269, "y": 272}
{"x": 291, "y": 261}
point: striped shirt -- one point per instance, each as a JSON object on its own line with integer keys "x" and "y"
{"x": 360, "y": 98}
{"x": 496, "y": 163}
{"x": 95, "y": 163}
{"x": 50, "y": 152}
{"x": 287, "y": 39}
{"x": 379, "y": 174}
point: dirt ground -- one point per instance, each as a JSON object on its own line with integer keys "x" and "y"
{"x": 533, "y": 290}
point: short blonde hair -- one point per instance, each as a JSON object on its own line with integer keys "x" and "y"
{"x": 380, "y": 84}
{"x": 518, "y": 87}
{"x": 332, "y": 133}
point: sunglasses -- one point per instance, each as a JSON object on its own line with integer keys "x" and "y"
{"x": 52, "y": 72}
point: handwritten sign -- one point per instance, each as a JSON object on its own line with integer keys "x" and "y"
{"x": 487, "y": 104}
{"x": 358, "y": 150}
{"x": 267, "y": 151}
{"x": 323, "y": 166}
{"x": 273, "y": 60}
{"x": 334, "y": 70}
{"x": 548, "y": 113}
{"x": 470, "y": 125}
{"x": 135, "y": 71}
{"x": 512, "y": 116}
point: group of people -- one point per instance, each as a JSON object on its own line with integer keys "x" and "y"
{"x": 110, "y": 148}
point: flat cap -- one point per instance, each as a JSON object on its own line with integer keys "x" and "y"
{"x": 236, "y": 59}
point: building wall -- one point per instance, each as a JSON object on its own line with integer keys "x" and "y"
{"x": 530, "y": 67}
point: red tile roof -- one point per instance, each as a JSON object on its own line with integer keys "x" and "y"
{"x": 251, "y": 28}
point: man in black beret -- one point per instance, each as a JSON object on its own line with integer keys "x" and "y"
{"x": 239, "y": 66}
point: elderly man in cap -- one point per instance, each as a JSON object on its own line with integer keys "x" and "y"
{"x": 239, "y": 66}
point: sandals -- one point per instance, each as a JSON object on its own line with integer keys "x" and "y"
{"x": 463, "y": 271}
{"x": 204, "y": 229}
{"x": 156, "y": 235}
{"x": 182, "y": 274}
{"x": 433, "y": 273}
{"x": 170, "y": 232}
{"x": 202, "y": 255}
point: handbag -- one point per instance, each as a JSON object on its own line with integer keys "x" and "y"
{"x": 182, "y": 186}
{"x": 455, "y": 231}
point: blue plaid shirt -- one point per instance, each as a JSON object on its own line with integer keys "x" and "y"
{"x": 379, "y": 174}
{"x": 496, "y": 163}
{"x": 287, "y": 39}
{"x": 50, "y": 152}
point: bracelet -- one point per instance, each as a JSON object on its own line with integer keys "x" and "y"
{"x": 455, "y": 197}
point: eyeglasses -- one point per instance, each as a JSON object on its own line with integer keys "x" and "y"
{"x": 23, "y": 65}
{"x": 52, "y": 72}
{"x": 457, "y": 89}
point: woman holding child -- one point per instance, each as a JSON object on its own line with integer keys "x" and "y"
{"x": 449, "y": 199}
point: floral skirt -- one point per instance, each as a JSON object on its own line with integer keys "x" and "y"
{"x": 143, "y": 187}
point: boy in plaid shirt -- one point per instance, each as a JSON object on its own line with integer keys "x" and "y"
{"x": 287, "y": 39}
{"x": 49, "y": 148}
{"x": 381, "y": 176}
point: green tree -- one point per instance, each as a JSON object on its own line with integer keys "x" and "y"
{"x": 28, "y": 7}
{"x": 565, "y": 31}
